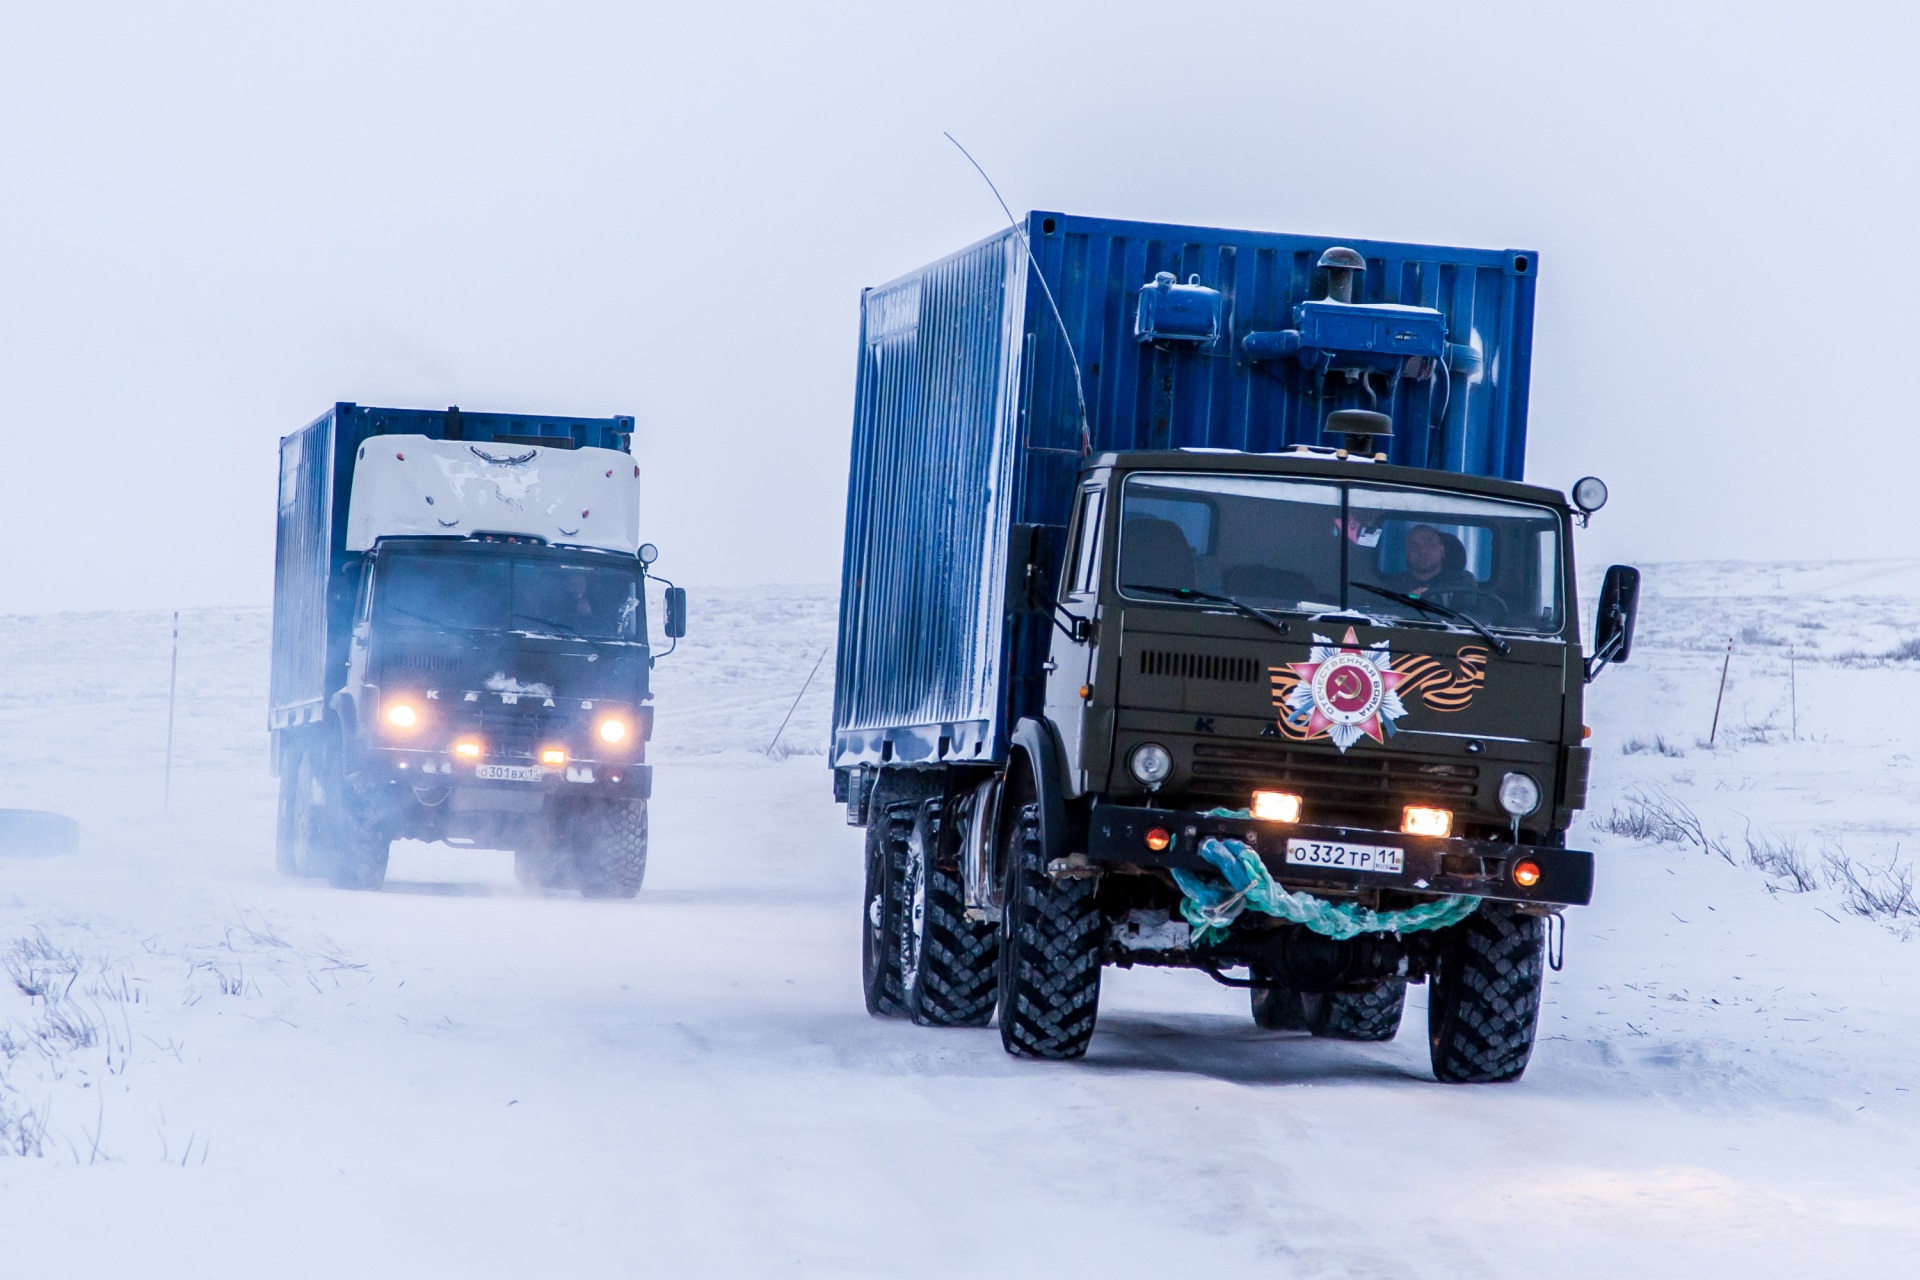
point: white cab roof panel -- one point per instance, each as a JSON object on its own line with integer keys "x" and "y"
{"x": 415, "y": 486}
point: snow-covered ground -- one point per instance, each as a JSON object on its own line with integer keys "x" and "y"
{"x": 240, "y": 1074}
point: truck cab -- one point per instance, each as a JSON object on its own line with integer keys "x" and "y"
{"x": 1365, "y": 638}
{"x": 497, "y": 694}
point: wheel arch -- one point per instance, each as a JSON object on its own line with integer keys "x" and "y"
{"x": 1037, "y": 756}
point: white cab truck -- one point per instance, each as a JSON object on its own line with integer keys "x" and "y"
{"x": 460, "y": 645}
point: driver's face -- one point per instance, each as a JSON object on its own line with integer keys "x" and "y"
{"x": 577, "y": 584}
{"x": 1425, "y": 552}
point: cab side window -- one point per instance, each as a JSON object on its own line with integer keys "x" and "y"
{"x": 1084, "y": 566}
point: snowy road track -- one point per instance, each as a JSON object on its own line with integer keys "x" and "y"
{"x": 241, "y": 1074}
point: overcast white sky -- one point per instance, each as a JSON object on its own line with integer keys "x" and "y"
{"x": 215, "y": 220}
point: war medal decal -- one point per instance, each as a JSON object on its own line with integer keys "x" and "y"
{"x": 1344, "y": 693}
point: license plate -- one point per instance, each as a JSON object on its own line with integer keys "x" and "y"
{"x": 509, "y": 772}
{"x": 1379, "y": 858}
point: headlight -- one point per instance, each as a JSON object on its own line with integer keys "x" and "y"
{"x": 612, "y": 731}
{"x": 1151, "y": 763}
{"x": 401, "y": 715}
{"x": 1519, "y": 794}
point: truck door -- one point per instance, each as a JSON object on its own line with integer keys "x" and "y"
{"x": 358, "y": 668}
{"x": 1070, "y": 664}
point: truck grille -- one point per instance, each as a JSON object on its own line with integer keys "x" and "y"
{"x": 1352, "y": 784}
{"x": 1198, "y": 666}
{"x": 516, "y": 733}
{"x": 423, "y": 662}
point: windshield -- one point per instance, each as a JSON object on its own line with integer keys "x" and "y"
{"x": 509, "y": 593}
{"x": 1310, "y": 546}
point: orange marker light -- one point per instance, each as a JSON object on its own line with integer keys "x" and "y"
{"x": 1526, "y": 874}
{"x": 467, "y": 750}
{"x": 553, "y": 756}
{"x": 1418, "y": 820}
{"x": 1276, "y": 806}
{"x": 1158, "y": 839}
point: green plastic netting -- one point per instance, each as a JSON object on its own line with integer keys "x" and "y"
{"x": 1210, "y": 908}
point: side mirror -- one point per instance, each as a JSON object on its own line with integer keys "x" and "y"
{"x": 1613, "y": 623}
{"x": 676, "y": 619}
{"x": 1031, "y": 579}
{"x": 1030, "y": 567}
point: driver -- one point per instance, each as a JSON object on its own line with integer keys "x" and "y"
{"x": 1428, "y": 570}
{"x": 577, "y": 589}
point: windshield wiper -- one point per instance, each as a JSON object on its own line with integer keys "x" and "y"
{"x": 1190, "y": 593}
{"x": 564, "y": 628}
{"x": 1439, "y": 611}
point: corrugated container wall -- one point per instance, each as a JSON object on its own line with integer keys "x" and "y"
{"x": 312, "y": 586}
{"x": 967, "y": 420}
{"x": 300, "y": 567}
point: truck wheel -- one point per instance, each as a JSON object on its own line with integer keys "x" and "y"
{"x": 614, "y": 862}
{"x": 1050, "y": 940}
{"x": 949, "y": 965}
{"x": 286, "y": 827}
{"x": 1356, "y": 1015}
{"x": 304, "y": 843}
{"x": 283, "y": 819}
{"x": 361, "y": 845}
{"x": 1483, "y": 1000}
{"x": 883, "y": 919}
{"x": 1278, "y": 1009}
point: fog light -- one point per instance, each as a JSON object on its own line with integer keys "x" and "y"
{"x": 1526, "y": 874}
{"x": 402, "y": 716}
{"x": 468, "y": 750}
{"x": 613, "y": 731}
{"x": 1418, "y": 820}
{"x": 1158, "y": 839}
{"x": 1519, "y": 794}
{"x": 1276, "y": 806}
{"x": 553, "y": 756}
{"x": 1150, "y": 763}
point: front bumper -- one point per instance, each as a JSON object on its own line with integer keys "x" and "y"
{"x": 1483, "y": 868}
{"x": 432, "y": 771}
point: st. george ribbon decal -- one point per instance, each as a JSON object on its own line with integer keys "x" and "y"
{"x": 1345, "y": 693}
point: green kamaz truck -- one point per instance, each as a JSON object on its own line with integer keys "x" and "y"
{"x": 1195, "y": 613}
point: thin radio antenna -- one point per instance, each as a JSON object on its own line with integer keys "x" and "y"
{"x": 1079, "y": 387}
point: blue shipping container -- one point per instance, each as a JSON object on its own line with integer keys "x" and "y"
{"x": 311, "y": 591}
{"x": 968, "y": 422}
